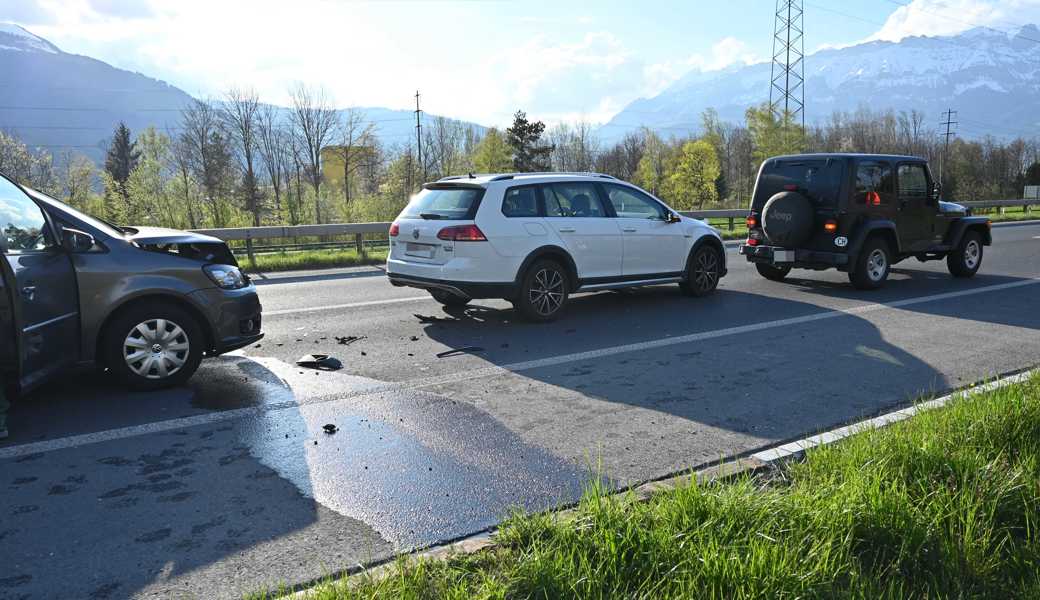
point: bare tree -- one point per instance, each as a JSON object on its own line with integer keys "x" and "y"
{"x": 314, "y": 124}
{"x": 204, "y": 138}
{"x": 240, "y": 113}
{"x": 275, "y": 151}
{"x": 182, "y": 155}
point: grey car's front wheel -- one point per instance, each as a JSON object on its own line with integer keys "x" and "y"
{"x": 152, "y": 346}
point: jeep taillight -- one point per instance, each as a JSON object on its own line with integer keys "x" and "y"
{"x": 394, "y": 229}
{"x": 752, "y": 221}
{"x": 461, "y": 233}
{"x": 830, "y": 225}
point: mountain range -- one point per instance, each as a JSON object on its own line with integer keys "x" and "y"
{"x": 990, "y": 78}
{"x": 64, "y": 102}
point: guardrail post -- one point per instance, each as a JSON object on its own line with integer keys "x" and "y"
{"x": 359, "y": 244}
{"x": 1001, "y": 209}
{"x": 249, "y": 251}
{"x": 731, "y": 223}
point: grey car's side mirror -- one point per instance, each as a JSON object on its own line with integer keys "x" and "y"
{"x": 76, "y": 241}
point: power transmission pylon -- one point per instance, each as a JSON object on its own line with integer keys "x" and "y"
{"x": 948, "y": 122}
{"x": 787, "y": 75}
{"x": 418, "y": 135}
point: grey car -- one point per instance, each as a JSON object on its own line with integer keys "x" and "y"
{"x": 146, "y": 304}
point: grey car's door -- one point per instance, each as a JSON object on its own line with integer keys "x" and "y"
{"x": 42, "y": 291}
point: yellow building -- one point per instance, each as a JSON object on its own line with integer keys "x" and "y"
{"x": 333, "y": 157}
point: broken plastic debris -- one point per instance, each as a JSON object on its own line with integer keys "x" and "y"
{"x": 330, "y": 429}
{"x": 462, "y": 350}
{"x": 323, "y": 362}
{"x": 347, "y": 340}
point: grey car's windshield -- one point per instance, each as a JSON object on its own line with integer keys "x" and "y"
{"x": 103, "y": 226}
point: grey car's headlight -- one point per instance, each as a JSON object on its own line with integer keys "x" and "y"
{"x": 226, "y": 276}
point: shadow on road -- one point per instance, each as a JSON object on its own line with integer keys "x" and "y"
{"x": 745, "y": 387}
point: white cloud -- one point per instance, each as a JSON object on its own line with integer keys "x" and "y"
{"x": 724, "y": 53}
{"x": 950, "y": 17}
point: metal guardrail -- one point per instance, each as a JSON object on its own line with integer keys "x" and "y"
{"x": 358, "y": 230}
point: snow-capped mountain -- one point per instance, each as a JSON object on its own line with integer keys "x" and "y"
{"x": 991, "y": 78}
{"x": 65, "y": 102}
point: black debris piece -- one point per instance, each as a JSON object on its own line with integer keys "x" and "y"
{"x": 347, "y": 340}
{"x": 329, "y": 429}
{"x": 322, "y": 362}
{"x": 427, "y": 319}
{"x": 363, "y": 353}
{"x": 415, "y": 338}
{"x": 457, "y": 351}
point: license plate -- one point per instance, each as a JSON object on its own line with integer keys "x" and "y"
{"x": 783, "y": 256}
{"x": 418, "y": 250}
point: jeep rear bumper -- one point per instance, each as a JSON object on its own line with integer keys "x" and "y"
{"x": 803, "y": 259}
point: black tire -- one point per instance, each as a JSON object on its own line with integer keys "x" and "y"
{"x": 702, "y": 272}
{"x": 772, "y": 272}
{"x": 449, "y": 299}
{"x": 966, "y": 258}
{"x": 543, "y": 291}
{"x": 872, "y": 265}
{"x": 180, "y": 328}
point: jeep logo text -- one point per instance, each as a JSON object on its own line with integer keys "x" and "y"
{"x": 781, "y": 216}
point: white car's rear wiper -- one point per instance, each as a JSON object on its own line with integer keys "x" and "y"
{"x": 431, "y": 216}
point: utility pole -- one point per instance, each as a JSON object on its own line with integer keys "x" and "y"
{"x": 418, "y": 135}
{"x": 787, "y": 74}
{"x": 948, "y": 122}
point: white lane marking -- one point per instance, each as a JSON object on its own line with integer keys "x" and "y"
{"x": 171, "y": 424}
{"x": 293, "y": 311}
{"x": 705, "y": 335}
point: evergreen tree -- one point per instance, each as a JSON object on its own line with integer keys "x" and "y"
{"x": 1033, "y": 174}
{"x": 493, "y": 154}
{"x": 523, "y": 137}
{"x": 120, "y": 161}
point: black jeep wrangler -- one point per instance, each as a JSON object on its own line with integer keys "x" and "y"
{"x": 859, "y": 213}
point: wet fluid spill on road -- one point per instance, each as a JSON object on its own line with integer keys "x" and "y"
{"x": 237, "y": 383}
{"x": 417, "y": 467}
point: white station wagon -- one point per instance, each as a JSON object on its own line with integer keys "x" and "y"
{"x": 535, "y": 238}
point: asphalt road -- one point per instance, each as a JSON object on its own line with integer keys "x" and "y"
{"x": 230, "y": 483}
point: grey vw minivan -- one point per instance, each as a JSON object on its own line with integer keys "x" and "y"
{"x": 144, "y": 303}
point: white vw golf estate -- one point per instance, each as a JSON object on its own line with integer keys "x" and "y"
{"x": 535, "y": 238}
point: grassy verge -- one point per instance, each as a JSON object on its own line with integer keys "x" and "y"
{"x": 312, "y": 259}
{"x": 944, "y": 505}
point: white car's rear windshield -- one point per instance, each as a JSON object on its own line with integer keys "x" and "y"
{"x": 448, "y": 203}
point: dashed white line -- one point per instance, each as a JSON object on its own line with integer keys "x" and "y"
{"x": 126, "y": 432}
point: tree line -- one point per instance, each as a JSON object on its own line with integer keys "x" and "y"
{"x": 235, "y": 161}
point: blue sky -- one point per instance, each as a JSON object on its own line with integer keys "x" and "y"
{"x": 476, "y": 60}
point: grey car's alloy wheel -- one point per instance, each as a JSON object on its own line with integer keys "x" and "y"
{"x": 543, "y": 292}
{"x": 156, "y": 349}
{"x": 152, "y": 345}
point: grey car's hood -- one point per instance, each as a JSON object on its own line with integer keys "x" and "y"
{"x": 161, "y": 235}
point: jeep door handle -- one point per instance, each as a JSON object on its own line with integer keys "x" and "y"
{"x": 29, "y": 292}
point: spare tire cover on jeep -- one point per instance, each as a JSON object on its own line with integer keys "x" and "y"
{"x": 787, "y": 219}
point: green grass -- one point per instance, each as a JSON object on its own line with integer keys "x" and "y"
{"x": 944, "y": 505}
{"x": 312, "y": 259}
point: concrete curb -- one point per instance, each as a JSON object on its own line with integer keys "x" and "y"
{"x": 761, "y": 460}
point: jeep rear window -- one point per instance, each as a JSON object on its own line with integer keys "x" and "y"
{"x": 445, "y": 202}
{"x": 818, "y": 180}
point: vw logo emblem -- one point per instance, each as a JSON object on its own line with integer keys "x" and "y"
{"x": 415, "y": 233}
